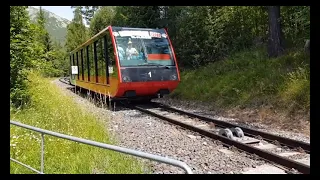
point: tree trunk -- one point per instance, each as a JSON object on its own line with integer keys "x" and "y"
{"x": 307, "y": 47}
{"x": 275, "y": 40}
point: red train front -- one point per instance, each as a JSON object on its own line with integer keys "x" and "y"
{"x": 147, "y": 63}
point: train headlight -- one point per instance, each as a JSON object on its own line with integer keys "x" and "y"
{"x": 173, "y": 77}
{"x": 126, "y": 79}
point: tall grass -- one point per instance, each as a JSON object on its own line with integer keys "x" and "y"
{"x": 52, "y": 110}
{"x": 249, "y": 79}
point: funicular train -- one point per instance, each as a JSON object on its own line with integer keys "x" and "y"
{"x": 126, "y": 63}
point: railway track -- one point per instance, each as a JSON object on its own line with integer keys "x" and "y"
{"x": 247, "y": 131}
{"x": 65, "y": 80}
{"x": 284, "y": 152}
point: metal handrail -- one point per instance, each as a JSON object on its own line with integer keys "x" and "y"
{"x": 153, "y": 157}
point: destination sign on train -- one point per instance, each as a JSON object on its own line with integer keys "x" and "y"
{"x": 138, "y": 34}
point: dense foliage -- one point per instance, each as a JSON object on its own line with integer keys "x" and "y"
{"x": 31, "y": 48}
{"x": 21, "y": 53}
{"x": 200, "y": 34}
{"x": 76, "y": 31}
{"x": 204, "y": 34}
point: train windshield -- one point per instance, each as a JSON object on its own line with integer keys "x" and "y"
{"x": 143, "y": 47}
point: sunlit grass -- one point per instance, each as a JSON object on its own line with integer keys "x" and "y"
{"x": 249, "y": 78}
{"x": 52, "y": 110}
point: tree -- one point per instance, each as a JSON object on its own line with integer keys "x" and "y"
{"x": 76, "y": 31}
{"x": 47, "y": 42}
{"x": 43, "y": 35}
{"x": 102, "y": 19}
{"x": 21, "y": 54}
{"x": 87, "y": 12}
{"x": 307, "y": 46}
{"x": 138, "y": 16}
{"x": 275, "y": 39}
{"x": 295, "y": 24}
{"x": 205, "y": 34}
{"x": 41, "y": 20}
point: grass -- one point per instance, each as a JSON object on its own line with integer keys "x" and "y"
{"x": 51, "y": 110}
{"x": 250, "y": 79}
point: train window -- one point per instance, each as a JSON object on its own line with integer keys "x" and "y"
{"x": 95, "y": 60}
{"x": 85, "y": 68}
{"x": 139, "y": 48}
{"x": 101, "y": 62}
{"x": 73, "y": 60}
{"x": 79, "y": 69}
{"x": 70, "y": 64}
{"x": 73, "y": 64}
{"x": 88, "y": 63}
{"x": 91, "y": 63}
{"x": 81, "y": 59}
{"x": 106, "y": 57}
{"x": 112, "y": 68}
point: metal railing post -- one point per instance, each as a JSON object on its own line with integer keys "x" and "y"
{"x": 42, "y": 152}
{"x": 136, "y": 153}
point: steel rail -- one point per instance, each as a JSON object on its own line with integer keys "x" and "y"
{"x": 63, "y": 81}
{"x": 247, "y": 131}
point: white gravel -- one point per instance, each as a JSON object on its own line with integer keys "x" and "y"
{"x": 135, "y": 130}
